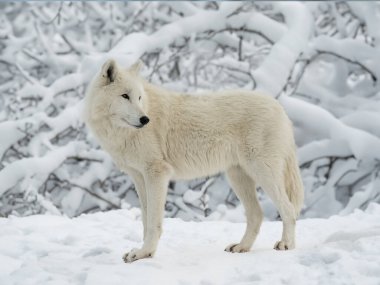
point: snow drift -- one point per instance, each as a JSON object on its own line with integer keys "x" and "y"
{"x": 46, "y": 249}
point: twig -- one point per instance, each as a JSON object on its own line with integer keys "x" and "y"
{"x": 240, "y": 48}
{"x": 86, "y": 190}
{"x": 25, "y": 75}
{"x": 80, "y": 158}
{"x": 28, "y": 53}
{"x": 248, "y": 73}
{"x": 306, "y": 62}
{"x": 321, "y": 52}
{"x": 70, "y": 44}
{"x": 96, "y": 195}
{"x": 241, "y": 29}
{"x": 58, "y": 15}
{"x": 326, "y": 156}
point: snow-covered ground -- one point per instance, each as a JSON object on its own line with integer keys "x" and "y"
{"x": 46, "y": 249}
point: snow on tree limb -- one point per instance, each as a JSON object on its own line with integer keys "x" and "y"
{"x": 284, "y": 53}
{"x": 348, "y": 49}
{"x": 320, "y": 60}
{"x": 11, "y": 174}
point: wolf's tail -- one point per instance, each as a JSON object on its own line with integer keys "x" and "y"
{"x": 293, "y": 183}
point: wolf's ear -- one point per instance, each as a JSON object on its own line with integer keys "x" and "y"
{"x": 109, "y": 70}
{"x": 136, "y": 67}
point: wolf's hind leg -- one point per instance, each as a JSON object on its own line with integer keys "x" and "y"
{"x": 270, "y": 177}
{"x": 245, "y": 189}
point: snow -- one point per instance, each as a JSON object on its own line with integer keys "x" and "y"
{"x": 13, "y": 134}
{"x": 320, "y": 59}
{"x": 46, "y": 249}
{"x": 13, "y": 172}
{"x": 285, "y": 52}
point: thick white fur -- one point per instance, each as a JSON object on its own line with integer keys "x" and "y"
{"x": 243, "y": 133}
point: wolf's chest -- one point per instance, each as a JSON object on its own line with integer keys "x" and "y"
{"x": 121, "y": 148}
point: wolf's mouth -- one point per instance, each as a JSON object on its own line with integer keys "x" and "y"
{"x": 138, "y": 127}
{"x": 135, "y": 126}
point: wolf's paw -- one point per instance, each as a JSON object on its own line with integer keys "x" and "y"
{"x": 237, "y": 247}
{"x": 136, "y": 254}
{"x": 282, "y": 245}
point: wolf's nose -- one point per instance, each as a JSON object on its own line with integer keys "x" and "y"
{"x": 144, "y": 120}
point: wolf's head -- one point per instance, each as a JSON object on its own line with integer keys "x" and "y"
{"x": 118, "y": 95}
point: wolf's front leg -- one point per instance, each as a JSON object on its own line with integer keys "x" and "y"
{"x": 138, "y": 180}
{"x": 156, "y": 181}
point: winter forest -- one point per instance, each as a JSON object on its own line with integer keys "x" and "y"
{"x": 320, "y": 60}
{"x": 67, "y": 213}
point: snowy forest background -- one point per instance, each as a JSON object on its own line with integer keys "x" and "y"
{"x": 320, "y": 60}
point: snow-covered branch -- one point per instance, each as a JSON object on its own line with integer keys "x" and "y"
{"x": 321, "y": 60}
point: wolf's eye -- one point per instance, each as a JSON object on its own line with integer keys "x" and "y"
{"x": 125, "y": 96}
{"x": 139, "y": 98}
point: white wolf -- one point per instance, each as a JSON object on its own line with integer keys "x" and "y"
{"x": 156, "y": 135}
